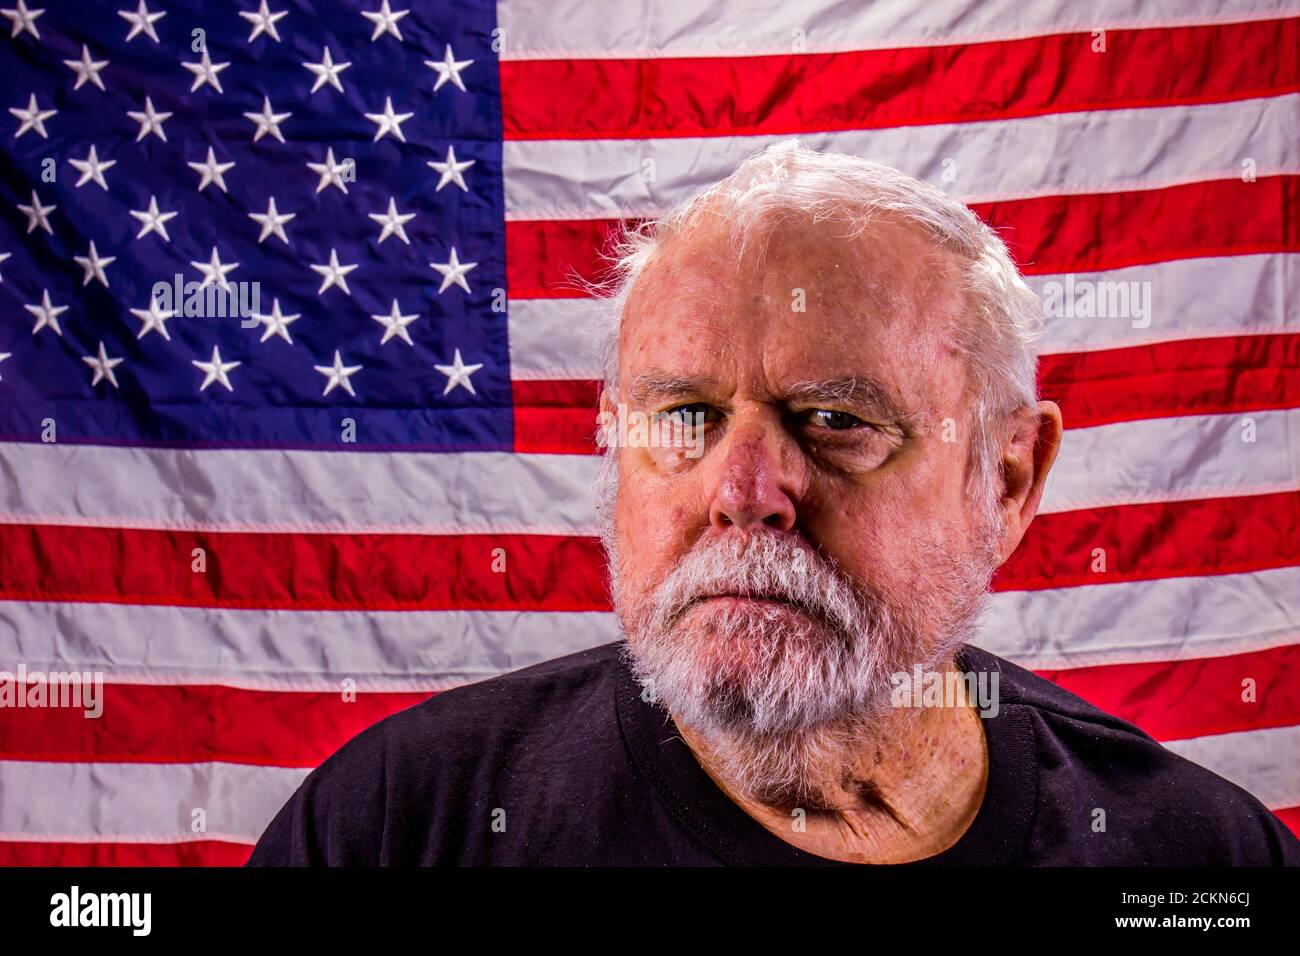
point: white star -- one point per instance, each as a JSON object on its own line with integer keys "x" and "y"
{"x": 36, "y": 214}
{"x": 395, "y": 324}
{"x": 327, "y": 71}
{"x": 103, "y": 366}
{"x": 91, "y": 169}
{"x": 215, "y": 370}
{"x": 205, "y": 71}
{"x": 33, "y": 118}
{"x": 277, "y": 323}
{"x": 3, "y": 257}
{"x": 263, "y": 21}
{"x": 268, "y": 121}
{"x": 338, "y": 374}
{"x": 46, "y": 313}
{"x": 333, "y": 274}
{"x": 141, "y": 21}
{"x": 214, "y": 270}
{"x": 452, "y": 271}
{"x": 388, "y": 121}
{"x": 86, "y": 69}
{"x": 151, "y": 220}
{"x": 23, "y": 19}
{"x": 211, "y": 171}
{"x": 393, "y": 223}
{"x": 150, "y": 122}
{"x": 3, "y": 356}
{"x": 451, "y": 170}
{"x": 94, "y": 265}
{"x": 385, "y": 21}
{"x": 448, "y": 70}
{"x": 154, "y": 319}
{"x": 272, "y": 222}
{"x": 329, "y": 171}
{"x": 458, "y": 373}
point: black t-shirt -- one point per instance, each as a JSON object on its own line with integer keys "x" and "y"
{"x": 564, "y": 763}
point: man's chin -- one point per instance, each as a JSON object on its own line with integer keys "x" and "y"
{"x": 750, "y": 682}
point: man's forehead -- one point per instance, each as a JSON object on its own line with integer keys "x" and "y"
{"x": 798, "y": 277}
{"x": 818, "y": 304}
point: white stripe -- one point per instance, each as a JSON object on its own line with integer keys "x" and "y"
{"x": 1190, "y": 298}
{"x": 1175, "y": 459}
{"x": 1133, "y": 622}
{"x": 1264, "y": 762}
{"x": 649, "y": 28}
{"x": 139, "y": 802}
{"x": 289, "y": 650}
{"x": 1126, "y": 622}
{"x": 556, "y": 338}
{"x": 297, "y": 490}
{"x": 1164, "y": 459}
{"x": 1063, "y": 153}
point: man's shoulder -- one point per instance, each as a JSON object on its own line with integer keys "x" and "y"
{"x": 1099, "y": 770}
{"x": 1019, "y": 685}
{"x": 403, "y": 790}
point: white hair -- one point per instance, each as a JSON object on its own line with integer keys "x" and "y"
{"x": 787, "y": 181}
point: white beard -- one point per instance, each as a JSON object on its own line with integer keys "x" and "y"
{"x": 780, "y": 693}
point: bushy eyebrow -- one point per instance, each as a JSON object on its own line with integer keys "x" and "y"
{"x": 661, "y": 385}
{"x": 854, "y": 391}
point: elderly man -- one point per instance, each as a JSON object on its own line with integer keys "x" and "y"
{"x": 844, "y": 359}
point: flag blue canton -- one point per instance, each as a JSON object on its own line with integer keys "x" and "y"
{"x": 376, "y": 169}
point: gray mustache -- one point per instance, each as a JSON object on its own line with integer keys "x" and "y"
{"x": 766, "y": 567}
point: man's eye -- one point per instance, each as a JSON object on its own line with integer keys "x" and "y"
{"x": 686, "y": 415}
{"x": 834, "y": 420}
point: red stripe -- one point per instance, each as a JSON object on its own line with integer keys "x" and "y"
{"x": 556, "y": 416}
{"x": 1291, "y": 817}
{"x": 1046, "y": 234}
{"x": 1187, "y": 377}
{"x": 1095, "y": 231}
{"x": 543, "y": 256}
{"x": 1147, "y": 542}
{"x": 144, "y": 723}
{"x": 807, "y": 92}
{"x": 1194, "y": 698}
{"x": 301, "y": 571}
{"x": 293, "y": 571}
{"x": 197, "y": 853}
{"x": 1211, "y": 376}
{"x": 162, "y": 723}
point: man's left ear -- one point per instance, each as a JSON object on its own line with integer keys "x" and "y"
{"x": 1026, "y": 460}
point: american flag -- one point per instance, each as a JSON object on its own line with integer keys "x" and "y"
{"x": 269, "y": 533}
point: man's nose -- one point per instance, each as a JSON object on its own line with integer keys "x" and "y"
{"x": 751, "y": 488}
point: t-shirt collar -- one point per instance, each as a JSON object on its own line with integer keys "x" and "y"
{"x": 997, "y": 836}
